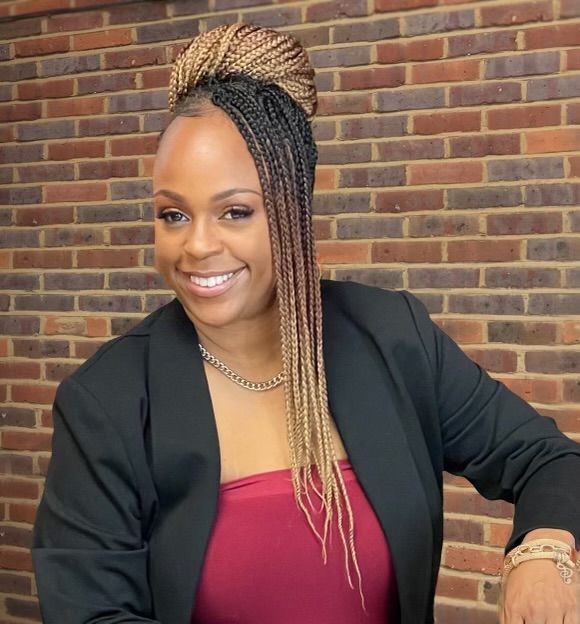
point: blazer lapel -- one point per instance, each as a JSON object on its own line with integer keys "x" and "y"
{"x": 365, "y": 406}
{"x": 185, "y": 463}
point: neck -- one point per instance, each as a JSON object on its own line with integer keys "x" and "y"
{"x": 250, "y": 347}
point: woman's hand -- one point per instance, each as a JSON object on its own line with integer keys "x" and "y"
{"x": 535, "y": 593}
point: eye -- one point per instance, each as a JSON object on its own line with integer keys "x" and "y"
{"x": 237, "y": 213}
{"x": 172, "y": 216}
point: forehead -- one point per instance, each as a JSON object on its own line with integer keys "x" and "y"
{"x": 207, "y": 151}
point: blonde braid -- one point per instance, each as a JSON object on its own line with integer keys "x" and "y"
{"x": 264, "y": 80}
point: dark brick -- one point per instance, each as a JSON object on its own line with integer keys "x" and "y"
{"x": 373, "y": 176}
{"x": 341, "y": 57}
{"x": 524, "y": 223}
{"x": 57, "y": 371}
{"x": 141, "y": 12}
{"x": 44, "y": 215}
{"x": 482, "y": 42}
{"x": 237, "y": 4}
{"x": 170, "y": 30}
{"x": 553, "y": 195}
{"x": 46, "y": 130}
{"x": 311, "y": 37}
{"x": 116, "y": 303}
{"x": 46, "y": 173}
{"x": 156, "y": 121}
{"x": 324, "y": 130}
{"x": 484, "y": 197}
{"x": 486, "y": 304}
{"x": 20, "y": 153}
{"x": 382, "y": 278}
{"x": 65, "y": 237}
{"x": 573, "y": 278}
{"x": 274, "y": 17}
{"x": 525, "y": 169}
{"x": 442, "y": 225}
{"x": 443, "y": 278}
{"x": 7, "y": 176}
{"x": 108, "y": 213}
{"x": 547, "y": 304}
{"x": 485, "y": 93}
{"x": 145, "y": 57}
{"x": 376, "y": 127}
{"x": 16, "y": 28}
{"x": 334, "y": 203}
{"x": 433, "y": 302}
{"x": 522, "y": 65}
{"x": 62, "y": 303}
{"x": 17, "y": 72}
{"x": 516, "y": 277}
{"x": 149, "y": 257}
{"x": 367, "y": 31}
{"x": 15, "y": 536}
{"x": 131, "y": 190}
{"x": 411, "y": 150}
{"x": 409, "y": 200}
{"x": 5, "y": 216}
{"x": 21, "y": 195}
{"x": 73, "y": 281}
{"x": 132, "y": 235}
{"x": 41, "y": 348}
{"x": 19, "y": 281}
{"x": 186, "y": 7}
{"x": 553, "y": 88}
{"x": 130, "y": 102}
{"x": 344, "y": 153}
{"x": 105, "y": 169}
{"x": 70, "y": 64}
{"x": 122, "y": 280}
{"x": 473, "y": 146}
{"x": 19, "y": 325}
{"x": 554, "y": 249}
{"x": 335, "y": 10}
{"x": 552, "y": 362}
{"x": 17, "y": 416}
{"x": 432, "y": 97}
{"x": 15, "y": 583}
{"x": 439, "y": 22}
{"x": 106, "y": 82}
{"x": 522, "y": 332}
{"x": 371, "y": 227}
{"x": 19, "y": 238}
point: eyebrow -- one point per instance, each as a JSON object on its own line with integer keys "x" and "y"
{"x": 221, "y": 195}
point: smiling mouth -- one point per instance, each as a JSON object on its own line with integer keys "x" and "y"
{"x": 213, "y": 281}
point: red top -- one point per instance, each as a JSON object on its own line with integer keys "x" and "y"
{"x": 263, "y": 563}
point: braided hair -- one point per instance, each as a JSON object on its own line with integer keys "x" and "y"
{"x": 264, "y": 81}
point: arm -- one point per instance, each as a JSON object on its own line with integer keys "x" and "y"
{"x": 89, "y": 558}
{"x": 500, "y": 443}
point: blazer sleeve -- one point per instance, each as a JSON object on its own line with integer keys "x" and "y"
{"x": 89, "y": 559}
{"x": 498, "y": 441}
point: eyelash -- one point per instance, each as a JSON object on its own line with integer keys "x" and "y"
{"x": 244, "y": 212}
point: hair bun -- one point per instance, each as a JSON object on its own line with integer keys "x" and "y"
{"x": 258, "y": 52}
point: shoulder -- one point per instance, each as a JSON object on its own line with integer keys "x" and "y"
{"x": 121, "y": 361}
{"x": 362, "y": 301}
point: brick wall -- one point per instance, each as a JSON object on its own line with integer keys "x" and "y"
{"x": 449, "y": 137}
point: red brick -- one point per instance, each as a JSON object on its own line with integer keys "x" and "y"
{"x": 403, "y": 5}
{"x": 90, "y": 191}
{"x": 445, "y": 71}
{"x": 26, "y": 440}
{"x": 445, "y": 173}
{"x": 29, "y": 393}
{"x": 477, "y": 145}
{"x": 468, "y": 501}
{"x": 484, "y": 250}
{"x": 400, "y": 52}
{"x": 339, "y": 252}
{"x": 71, "y": 149}
{"x": 406, "y": 251}
{"x": 17, "y": 559}
{"x": 437, "y": 123}
{"x": 40, "y": 47}
{"x": 524, "y": 117}
{"x": 35, "y": 6}
{"x": 75, "y": 21}
{"x": 64, "y": 325}
{"x": 573, "y": 59}
{"x": 47, "y": 259}
{"x": 18, "y": 488}
{"x": 97, "y": 327}
{"x": 463, "y": 331}
{"x": 325, "y": 179}
{"x": 133, "y": 145}
{"x": 351, "y": 103}
{"x": 517, "y": 13}
{"x": 494, "y": 360}
{"x": 571, "y": 332}
{"x": 573, "y": 113}
{"x": 457, "y": 587}
{"x": 553, "y": 140}
{"x": 18, "y": 369}
{"x": 499, "y": 534}
{"x": 102, "y": 39}
{"x": 39, "y": 90}
{"x": 76, "y": 107}
{"x": 567, "y": 419}
{"x": 535, "y": 390}
{"x": 555, "y": 36}
{"x": 375, "y": 78}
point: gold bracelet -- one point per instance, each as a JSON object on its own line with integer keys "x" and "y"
{"x": 559, "y": 552}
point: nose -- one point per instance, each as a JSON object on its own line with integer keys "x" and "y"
{"x": 202, "y": 239}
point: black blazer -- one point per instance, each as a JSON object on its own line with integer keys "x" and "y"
{"x": 132, "y": 486}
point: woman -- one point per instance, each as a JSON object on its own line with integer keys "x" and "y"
{"x": 181, "y": 489}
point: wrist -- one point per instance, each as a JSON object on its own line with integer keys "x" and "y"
{"x": 555, "y": 534}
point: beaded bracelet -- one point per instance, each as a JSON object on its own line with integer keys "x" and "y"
{"x": 562, "y": 554}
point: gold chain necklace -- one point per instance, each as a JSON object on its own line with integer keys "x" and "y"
{"x": 245, "y": 383}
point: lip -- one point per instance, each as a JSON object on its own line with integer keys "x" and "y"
{"x": 202, "y": 291}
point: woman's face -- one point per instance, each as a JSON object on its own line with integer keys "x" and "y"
{"x": 210, "y": 221}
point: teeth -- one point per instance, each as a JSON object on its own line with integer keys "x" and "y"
{"x": 210, "y": 282}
